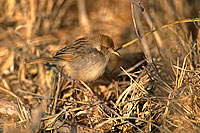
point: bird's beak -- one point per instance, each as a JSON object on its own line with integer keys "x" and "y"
{"x": 114, "y": 52}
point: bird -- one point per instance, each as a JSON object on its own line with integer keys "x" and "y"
{"x": 84, "y": 59}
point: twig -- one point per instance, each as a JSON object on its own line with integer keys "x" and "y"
{"x": 139, "y": 31}
{"x": 138, "y": 4}
{"x": 162, "y": 27}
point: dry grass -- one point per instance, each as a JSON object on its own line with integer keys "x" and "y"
{"x": 156, "y": 89}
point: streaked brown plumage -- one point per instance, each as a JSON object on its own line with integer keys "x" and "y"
{"x": 85, "y": 59}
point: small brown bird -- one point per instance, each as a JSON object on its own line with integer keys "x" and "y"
{"x": 85, "y": 59}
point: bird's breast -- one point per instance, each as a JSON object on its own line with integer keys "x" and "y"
{"x": 89, "y": 68}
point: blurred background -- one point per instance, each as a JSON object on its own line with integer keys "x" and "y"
{"x": 38, "y": 28}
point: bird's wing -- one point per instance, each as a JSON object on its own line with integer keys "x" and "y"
{"x": 66, "y": 57}
{"x": 75, "y": 51}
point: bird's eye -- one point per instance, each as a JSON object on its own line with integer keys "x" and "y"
{"x": 107, "y": 48}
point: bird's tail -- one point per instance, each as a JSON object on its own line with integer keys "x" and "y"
{"x": 41, "y": 60}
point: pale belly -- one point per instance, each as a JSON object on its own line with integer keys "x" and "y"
{"x": 88, "y": 69}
